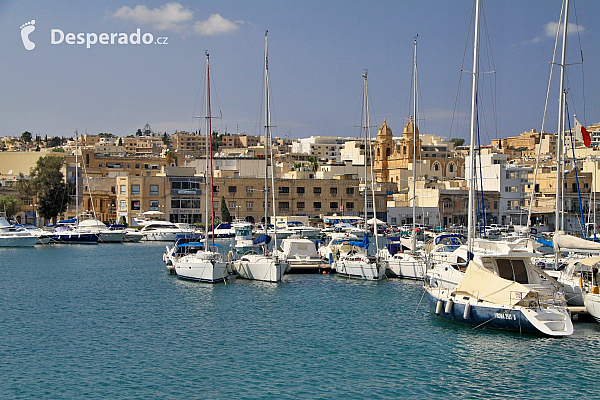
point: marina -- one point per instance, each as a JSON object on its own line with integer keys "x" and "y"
{"x": 109, "y": 321}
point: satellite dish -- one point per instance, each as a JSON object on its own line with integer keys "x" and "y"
{"x": 10, "y": 172}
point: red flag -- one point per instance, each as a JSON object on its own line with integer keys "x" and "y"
{"x": 582, "y": 134}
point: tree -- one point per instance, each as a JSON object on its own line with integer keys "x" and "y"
{"x": 225, "y": 216}
{"x": 26, "y": 136}
{"x": 120, "y": 142}
{"x": 10, "y": 204}
{"x": 171, "y": 157}
{"x": 54, "y": 141}
{"x": 457, "y": 141}
{"x": 165, "y": 139}
{"x": 47, "y": 182}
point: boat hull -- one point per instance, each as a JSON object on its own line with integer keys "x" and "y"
{"x": 111, "y": 237}
{"x": 359, "y": 270}
{"x": 592, "y": 305}
{"x": 260, "y": 268}
{"x": 18, "y": 241}
{"x": 552, "y": 321}
{"x": 407, "y": 267}
{"x": 208, "y": 271}
{"x": 75, "y": 238}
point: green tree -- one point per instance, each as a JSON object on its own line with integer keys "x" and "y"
{"x": 225, "y": 216}
{"x": 26, "y": 136}
{"x": 120, "y": 142}
{"x": 165, "y": 139}
{"x": 47, "y": 182}
{"x": 54, "y": 141}
{"x": 10, "y": 204}
{"x": 458, "y": 141}
{"x": 171, "y": 157}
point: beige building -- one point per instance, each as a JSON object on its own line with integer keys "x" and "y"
{"x": 176, "y": 192}
{"x": 393, "y": 158}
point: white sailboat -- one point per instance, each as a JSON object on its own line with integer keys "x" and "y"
{"x": 501, "y": 289}
{"x": 409, "y": 264}
{"x": 266, "y": 266}
{"x": 206, "y": 264}
{"x": 357, "y": 263}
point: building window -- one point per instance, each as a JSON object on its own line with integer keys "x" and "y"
{"x": 123, "y": 205}
{"x": 333, "y": 205}
{"x": 249, "y": 205}
{"x": 135, "y": 189}
{"x": 232, "y": 189}
{"x": 300, "y": 190}
{"x": 436, "y": 166}
{"x": 350, "y": 205}
{"x": 451, "y": 167}
{"x": 154, "y": 190}
{"x": 350, "y": 191}
{"x": 122, "y": 189}
{"x": 317, "y": 190}
{"x": 317, "y": 205}
{"x": 231, "y": 205}
{"x": 249, "y": 189}
{"x": 284, "y": 205}
{"x": 333, "y": 191}
{"x": 137, "y": 166}
{"x": 448, "y": 204}
{"x": 300, "y": 205}
{"x": 284, "y": 189}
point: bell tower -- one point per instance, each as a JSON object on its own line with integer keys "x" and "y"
{"x": 383, "y": 149}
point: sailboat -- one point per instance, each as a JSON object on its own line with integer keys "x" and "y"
{"x": 411, "y": 264}
{"x": 500, "y": 289}
{"x": 357, "y": 263}
{"x": 264, "y": 266}
{"x": 205, "y": 264}
{"x": 68, "y": 231}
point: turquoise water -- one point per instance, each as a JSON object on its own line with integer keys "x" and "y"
{"x": 108, "y": 322}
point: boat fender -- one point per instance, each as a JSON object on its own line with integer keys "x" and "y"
{"x": 449, "y": 305}
{"x": 438, "y": 307}
{"x": 467, "y": 311}
{"x": 580, "y": 283}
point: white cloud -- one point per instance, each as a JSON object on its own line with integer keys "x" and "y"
{"x": 169, "y": 17}
{"x": 550, "y": 28}
{"x": 215, "y": 25}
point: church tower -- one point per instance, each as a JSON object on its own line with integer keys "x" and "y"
{"x": 384, "y": 148}
{"x": 409, "y": 136}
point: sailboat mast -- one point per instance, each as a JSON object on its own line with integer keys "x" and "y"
{"x": 473, "y": 133}
{"x": 414, "y": 199}
{"x": 559, "y": 207}
{"x": 267, "y": 123}
{"x": 366, "y": 124}
{"x": 76, "y": 177}
{"x": 268, "y": 135}
{"x": 207, "y": 184}
{"x": 369, "y": 143}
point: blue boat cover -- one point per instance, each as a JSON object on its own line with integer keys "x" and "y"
{"x": 266, "y": 239}
{"x": 363, "y": 244}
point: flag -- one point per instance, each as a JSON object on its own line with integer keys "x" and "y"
{"x": 582, "y": 134}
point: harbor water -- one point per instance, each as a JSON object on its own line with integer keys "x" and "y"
{"x": 108, "y": 322}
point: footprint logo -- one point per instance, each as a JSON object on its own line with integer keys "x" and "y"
{"x": 26, "y": 29}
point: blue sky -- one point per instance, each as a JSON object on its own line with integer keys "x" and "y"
{"x": 317, "y": 53}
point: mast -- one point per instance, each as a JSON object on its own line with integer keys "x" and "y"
{"x": 414, "y": 209}
{"x": 208, "y": 181}
{"x": 366, "y": 122}
{"x": 559, "y": 207}
{"x": 76, "y": 179}
{"x": 471, "y": 176}
{"x": 269, "y": 146}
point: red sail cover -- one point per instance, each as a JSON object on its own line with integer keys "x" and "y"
{"x": 582, "y": 134}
